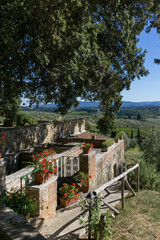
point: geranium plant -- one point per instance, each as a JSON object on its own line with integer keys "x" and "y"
{"x": 82, "y": 178}
{"x": 68, "y": 191}
{"x": 43, "y": 154}
{"x": 86, "y": 145}
{"x": 2, "y": 140}
{"x": 23, "y": 203}
{"x": 44, "y": 166}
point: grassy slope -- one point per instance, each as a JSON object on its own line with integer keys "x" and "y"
{"x": 140, "y": 219}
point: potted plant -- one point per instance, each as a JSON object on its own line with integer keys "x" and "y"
{"x": 87, "y": 147}
{"x": 83, "y": 180}
{"x": 69, "y": 194}
{"x": 43, "y": 169}
{"x": 106, "y": 144}
{"x": 116, "y": 139}
{"x": 2, "y": 143}
{"x": 120, "y": 135}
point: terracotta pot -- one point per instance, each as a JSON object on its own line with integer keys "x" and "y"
{"x": 1, "y": 149}
{"x": 42, "y": 178}
{"x": 87, "y": 150}
{"x": 84, "y": 188}
{"x": 67, "y": 202}
{"x": 120, "y": 137}
{"x": 116, "y": 140}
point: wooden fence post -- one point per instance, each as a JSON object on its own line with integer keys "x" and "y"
{"x": 122, "y": 192}
{"x": 137, "y": 178}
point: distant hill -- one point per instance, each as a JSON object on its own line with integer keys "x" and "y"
{"x": 126, "y": 104}
{"x": 140, "y": 104}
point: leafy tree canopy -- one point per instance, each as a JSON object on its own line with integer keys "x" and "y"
{"x": 58, "y": 50}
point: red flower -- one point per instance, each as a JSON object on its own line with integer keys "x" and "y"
{"x": 47, "y": 161}
{"x": 73, "y": 184}
{"x": 90, "y": 176}
{"x": 64, "y": 184}
{"x": 44, "y": 159}
{"x": 76, "y": 193}
{"x": 50, "y": 162}
{"x": 35, "y": 199}
{"x": 35, "y": 206}
{"x": 81, "y": 180}
{"x": 44, "y": 165}
{"x": 54, "y": 159}
{"x": 65, "y": 194}
{"x": 56, "y": 167}
{"x": 20, "y": 196}
{"x": 45, "y": 170}
{"x": 55, "y": 170}
{"x": 71, "y": 190}
{"x": 3, "y": 135}
{"x": 51, "y": 171}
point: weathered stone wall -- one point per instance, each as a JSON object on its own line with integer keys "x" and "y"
{"x": 14, "y": 226}
{"x": 23, "y": 138}
{"x": 46, "y": 194}
{"x": 2, "y": 175}
{"x": 109, "y": 164}
{"x": 26, "y": 138}
{"x": 103, "y": 166}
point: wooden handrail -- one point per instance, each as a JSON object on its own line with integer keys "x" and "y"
{"x": 100, "y": 189}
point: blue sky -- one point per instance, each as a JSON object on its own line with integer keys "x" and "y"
{"x": 148, "y": 88}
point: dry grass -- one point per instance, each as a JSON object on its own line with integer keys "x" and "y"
{"x": 140, "y": 219}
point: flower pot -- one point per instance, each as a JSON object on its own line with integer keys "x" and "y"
{"x": 42, "y": 178}
{"x": 116, "y": 140}
{"x": 87, "y": 150}
{"x": 121, "y": 137}
{"x": 84, "y": 188}
{"x": 67, "y": 202}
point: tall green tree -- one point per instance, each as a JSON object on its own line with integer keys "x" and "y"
{"x": 60, "y": 50}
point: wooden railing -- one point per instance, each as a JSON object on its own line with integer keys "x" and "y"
{"x": 124, "y": 180}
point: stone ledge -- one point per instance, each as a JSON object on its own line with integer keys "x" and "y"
{"x": 44, "y": 185}
{"x": 17, "y": 175}
{"x": 14, "y": 226}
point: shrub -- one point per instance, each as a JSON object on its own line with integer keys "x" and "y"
{"x": 149, "y": 177}
{"x": 133, "y": 143}
{"x": 23, "y": 203}
{"x": 108, "y": 143}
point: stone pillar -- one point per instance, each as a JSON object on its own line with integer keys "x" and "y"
{"x": 2, "y": 175}
{"x": 46, "y": 193}
{"x": 88, "y": 165}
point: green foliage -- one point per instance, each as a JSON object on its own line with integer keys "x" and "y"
{"x": 150, "y": 146}
{"x": 22, "y": 119}
{"x": 133, "y": 143}
{"x": 68, "y": 191}
{"x": 23, "y": 203}
{"x": 107, "y": 143}
{"x": 47, "y": 41}
{"x": 94, "y": 223}
{"x": 149, "y": 177}
{"x": 82, "y": 178}
{"x": 9, "y": 107}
